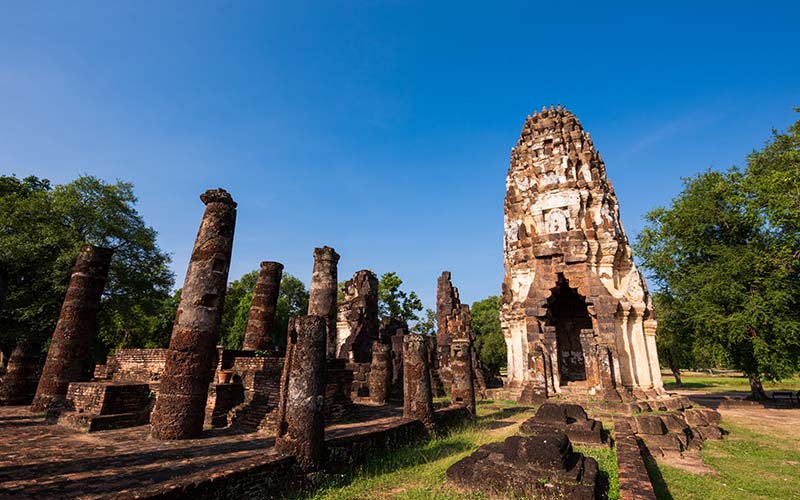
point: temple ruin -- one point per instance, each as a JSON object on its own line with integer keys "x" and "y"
{"x": 357, "y": 318}
{"x": 575, "y": 311}
{"x": 453, "y": 324}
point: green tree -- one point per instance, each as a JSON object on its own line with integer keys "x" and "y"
{"x": 727, "y": 251}
{"x": 42, "y": 229}
{"x": 292, "y": 301}
{"x": 675, "y": 335}
{"x": 489, "y": 342}
{"x": 394, "y": 302}
{"x": 426, "y": 326}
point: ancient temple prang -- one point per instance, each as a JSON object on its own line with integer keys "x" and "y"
{"x": 575, "y": 311}
{"x": 180, "y": 406}
{"x": 69, "y": 349}
{"x": 261, "y": 318}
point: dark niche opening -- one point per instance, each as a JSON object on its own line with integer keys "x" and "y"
{"x": 568, "y": 313}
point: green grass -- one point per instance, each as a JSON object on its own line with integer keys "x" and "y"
{"x": 726, "y": 382}
{"x": 607, "y": 463}
{"x": 417, "y": 471}
{"x": 749, "y": 466}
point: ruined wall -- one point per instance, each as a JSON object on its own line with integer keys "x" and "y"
{"x": 453, "y": 323}
{"x": 357, "y": 318}
{"x": 563, "y": 235}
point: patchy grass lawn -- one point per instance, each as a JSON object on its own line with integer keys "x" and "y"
{"x": 759, "y": 458}
{"x": 724, "y": 382}
{"x": 749, "y": 465}
{"x": 417, "y": 471}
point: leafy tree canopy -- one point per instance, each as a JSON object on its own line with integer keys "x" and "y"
{"x": 394, "y": 302}
{"x": 41, "y": 229}
{"x": 726, "y": 256}
{"x": 489, "y": 342}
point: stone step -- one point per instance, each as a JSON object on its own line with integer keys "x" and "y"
{"x": 89, "y": 422}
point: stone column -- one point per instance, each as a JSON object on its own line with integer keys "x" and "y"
{"x": 180, "y": 405}
{"x": 301, "y": 426}
{"x": 380, "y": 374}
{"x": 463, "y": 389}
{"x": 322, "y": 297}
{"x": 261, "y": 319}
{"x": 624, "y": 351}
{"x": 417, "y": 397}
{"x": 19, "y": 382}
{"x": 69, "y": 347}
{"x": 640, "y": 364}
{"x": 652, "y": 354}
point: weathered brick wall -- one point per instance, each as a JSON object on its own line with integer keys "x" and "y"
{"x": 259, "y": 374}
{"x": 134, "y": 365}
{"x": 222, "y": 398}
{"x": 106, "y": 398}
{"x": 360, "y": 388}
{"x": 338, "y": 391}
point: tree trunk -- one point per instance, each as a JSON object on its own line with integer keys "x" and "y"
{"x": 675, "y": 369}
{"x": 756, "y": 389}
{"x": 676, "y": 372}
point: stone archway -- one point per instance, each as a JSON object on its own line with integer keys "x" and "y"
{"x": 568, "y": 313}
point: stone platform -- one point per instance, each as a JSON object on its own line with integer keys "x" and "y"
{"x": 38, "y": 460}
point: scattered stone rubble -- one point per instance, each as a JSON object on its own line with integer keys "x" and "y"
{"x": 540, "y": 466}
{"x": 571, "y": 419}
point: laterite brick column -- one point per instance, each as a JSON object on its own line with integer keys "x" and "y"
{"x": 180, "y": 406}
{"x": 417, "y": 396}
{"x": 261, "y": 320}
{"x": 19, "y": 382}
{"x": 463, "y": 388}
{"x": 69, "y": 348}
{"x": 322, "y": 297}
{"x": 301, "y": 425}
{"x": 380, "y": 373}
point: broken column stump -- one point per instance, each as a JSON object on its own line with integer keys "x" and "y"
{"x": 301, "y": 426}
{"x": 380, "y": 374}
{"x": 180, "y": 406}
{"x": 417, "y": 397}
{"x": 322, "y": 296}
{"x": 463, "y": 388}
{"x": 261, "y": 320}
{"x": 542, "y": 466}
{"x": 69, "y": 348}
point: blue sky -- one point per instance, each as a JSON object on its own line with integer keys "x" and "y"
{"x": 382, "y": 129}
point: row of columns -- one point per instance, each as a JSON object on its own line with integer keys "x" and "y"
{"x": 180, "y": 405}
